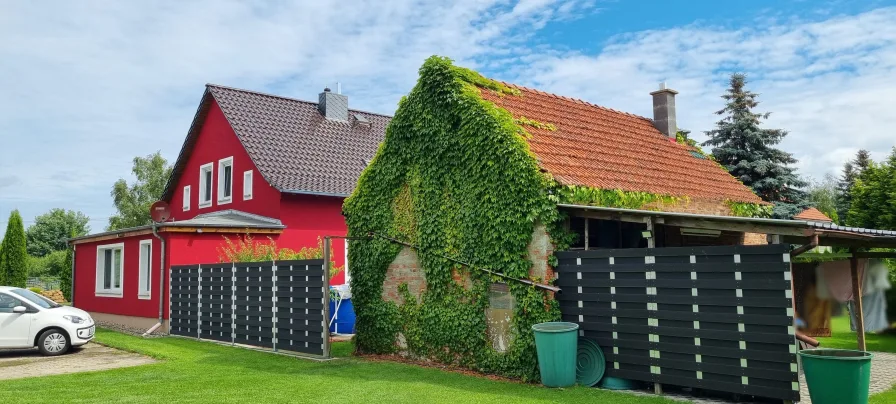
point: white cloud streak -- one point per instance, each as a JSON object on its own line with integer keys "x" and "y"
{"x": 88, "y": 85}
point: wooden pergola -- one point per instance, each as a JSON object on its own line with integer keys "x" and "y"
{"x": 807, "y": 234}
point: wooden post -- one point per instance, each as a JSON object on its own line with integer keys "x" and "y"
{"x": 326, "y": 289}
{"x": 651, "y": 243}
{"x": 857, "y": 298}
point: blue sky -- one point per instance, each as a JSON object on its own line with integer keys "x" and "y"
{"x": 86, "y": 86}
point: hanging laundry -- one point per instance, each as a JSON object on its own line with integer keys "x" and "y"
{"x": 874, "y": 299}
{"x": 837, "y": 276}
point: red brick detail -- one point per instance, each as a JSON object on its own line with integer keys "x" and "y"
{"x": 405, "y": 269}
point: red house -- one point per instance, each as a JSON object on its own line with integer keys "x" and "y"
{"x": 252, "y": 163}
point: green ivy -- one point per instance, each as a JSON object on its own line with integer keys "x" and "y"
{"x": 455, "y": 176}
{"x": 535, "y": 124}
{"x": 747, "y": 209}
{"x": 615, "y": 198}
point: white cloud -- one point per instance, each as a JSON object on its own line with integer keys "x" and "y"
{"x": 88, "y": 85}
{"x": 830, "y": 83}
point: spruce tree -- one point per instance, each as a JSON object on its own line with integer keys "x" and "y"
{"x": 873, "y": 202}
{"x": 844, "y": 189}
{"x": 746, "y": 151}
{"x": 13, "y": 266}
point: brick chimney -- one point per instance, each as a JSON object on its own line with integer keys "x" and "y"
{"x": 664, "y": 111}
{"x": 332, "y": 105}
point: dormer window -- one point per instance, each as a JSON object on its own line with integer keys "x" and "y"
{"x": 225, "y": 180}
{"x": 205, "y": 185}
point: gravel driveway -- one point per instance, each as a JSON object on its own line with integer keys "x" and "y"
{"x": 17, "y": 364}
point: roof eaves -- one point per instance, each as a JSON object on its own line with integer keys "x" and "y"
{"x": 316, "y": 193}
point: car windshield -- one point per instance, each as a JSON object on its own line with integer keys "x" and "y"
{"x": 35, "y": 298}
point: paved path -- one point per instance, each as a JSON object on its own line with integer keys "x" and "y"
{"x": 883, "y": 377}
{"x": 17, "y": 364}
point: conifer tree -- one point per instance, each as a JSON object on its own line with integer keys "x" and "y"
{"x": 13, "y": 255}
{"x": 747, "y": 151}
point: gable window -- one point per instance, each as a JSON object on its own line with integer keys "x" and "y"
{"x": 109, "y": 263}
{"x": 225, "y": 180}
{"x": 247, "y": 185}
{"x": 144, "y": 290}
{"x": 186, "y": 198}
{"x": 205, "y": 185}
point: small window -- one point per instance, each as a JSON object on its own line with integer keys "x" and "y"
{"x": 247, "y": 185}
{"x": 145, "y": 287}
{"x": 109, "y": 262}
{"x": 225, "y": 180}
{"x": 186, "y": 198}
{"x": 205, "y": 185}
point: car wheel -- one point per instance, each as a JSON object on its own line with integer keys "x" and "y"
{"x": 53, "y": 342}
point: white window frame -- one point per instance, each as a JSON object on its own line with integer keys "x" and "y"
{"x": 209, "y": 167}
{"x": 247, "y": 185}
{"x": 100, "y": 273}
{"x": 144, "y": 287}
{"x": 222, "y": 164}
{"x": 186, "y": 205}
{"x": 348, "y": 275}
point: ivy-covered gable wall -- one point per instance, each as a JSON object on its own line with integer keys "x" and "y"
{"x": 455, "y": 177}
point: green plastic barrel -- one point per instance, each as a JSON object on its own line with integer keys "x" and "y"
{"x": 556, "y": 344}
{"x": 837, "y": 376}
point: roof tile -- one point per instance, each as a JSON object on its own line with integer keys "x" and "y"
{"x": 604, "y": 148}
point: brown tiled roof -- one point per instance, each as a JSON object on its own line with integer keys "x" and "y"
{"x": 603, "y": 148}
{"x": 295, "y": 148}
{"x": 813, "y": 215}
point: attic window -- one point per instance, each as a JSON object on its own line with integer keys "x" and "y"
{"x": 225, "y": 180}
{"x": 205, "y": 185}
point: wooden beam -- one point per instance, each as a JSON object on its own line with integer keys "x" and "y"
{"x": 741, "y": 227}
{"x": 882, "y": 254}
{"x": 857, "y": 299}
{"x": 114, "y": 236}
{"x": 180, "y": 229}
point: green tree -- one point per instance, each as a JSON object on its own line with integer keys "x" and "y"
{"x": 746, "y": 151}
{"x": 874, "y": 196}
{"x": 13, "y": 253}
{"x": 50, "y": 231}
{"x": 51, "y": 264}
{"x": 851, "y": 171}
{"x": 65, "y": 275}
{"x": 133, "y": 201}
{"x": 824, "y": 196}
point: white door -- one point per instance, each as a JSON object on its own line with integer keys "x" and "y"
{"x": 15, "y": 328}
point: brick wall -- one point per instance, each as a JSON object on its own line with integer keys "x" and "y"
{"x": 404, "y": 269}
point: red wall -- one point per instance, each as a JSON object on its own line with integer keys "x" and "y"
{"x": 217, "y": 141}
{"x": 308, "y": 217}
{"x": 128, "y": 304}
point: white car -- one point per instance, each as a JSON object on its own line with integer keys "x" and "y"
{"x": 28, "y": 319}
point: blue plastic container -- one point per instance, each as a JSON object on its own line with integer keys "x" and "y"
{"x": 345, "y": 317}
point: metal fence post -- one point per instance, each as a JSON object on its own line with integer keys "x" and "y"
{"x": 199, "y": 303}
{"x": 274, "y": 307}
{"x": 233, "y": 303}
{"x": 326, "y": 297}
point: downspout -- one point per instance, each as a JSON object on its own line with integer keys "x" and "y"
{"x": 161, "y": 283}
{"x": 72, "y": 289}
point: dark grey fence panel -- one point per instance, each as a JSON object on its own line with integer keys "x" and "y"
{"x": 280, "y": 306}
{"x": 716, "y": 318}
{"x": 184, "y": 301}
{"x": 300, "y": 317}
{"x": 216, "y": 302}
{"x": 254, "y": 302}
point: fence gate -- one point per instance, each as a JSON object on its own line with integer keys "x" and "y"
{"x": 715, "y": 318}
{"x": 275, "y": 305}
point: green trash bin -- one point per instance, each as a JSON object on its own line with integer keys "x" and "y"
{"x": 557, "y": 345}
{"x": 837, "y": 376}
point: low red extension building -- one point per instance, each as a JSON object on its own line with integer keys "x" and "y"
{"x": 252, "y": 163}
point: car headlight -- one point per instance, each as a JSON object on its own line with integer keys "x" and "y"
{"x": 74, "y": 319}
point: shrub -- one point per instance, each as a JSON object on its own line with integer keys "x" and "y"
{"x": 36, "y": 289}
{"x": 247, "y": 249}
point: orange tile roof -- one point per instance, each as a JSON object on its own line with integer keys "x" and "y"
{"x": 813, "y": 215}
{"x": 603, "y": 148}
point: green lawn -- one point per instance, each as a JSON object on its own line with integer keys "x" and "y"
{"x": 192, "y": 371}
{"x": 843, "y": 338}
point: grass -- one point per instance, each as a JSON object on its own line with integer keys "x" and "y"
{"x": 202, "y": 372}
{"x": 843, "y": 338}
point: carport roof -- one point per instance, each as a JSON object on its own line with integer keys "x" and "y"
{"x": 792, "y": 231}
